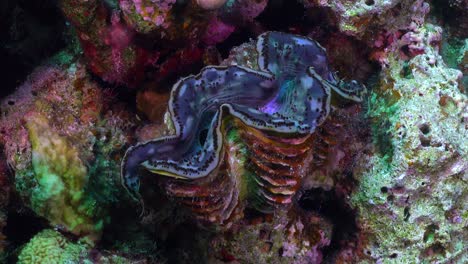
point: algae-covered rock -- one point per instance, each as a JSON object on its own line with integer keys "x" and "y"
{"x": 363, "y": 19}
{"x": 284, "y": 238}
{"x": 411, "y": 191}
{"x": 62, "y": 136}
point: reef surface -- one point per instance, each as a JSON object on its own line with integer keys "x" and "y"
{"x": 234, "y": 131}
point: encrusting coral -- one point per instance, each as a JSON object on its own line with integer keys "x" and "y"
{"x": 50, "y": 246}
{"x": 60, "y": 136}
{"x": 287, "y": 238}
{"x": 61, "y": 178}
{"x": 211, "y": 4}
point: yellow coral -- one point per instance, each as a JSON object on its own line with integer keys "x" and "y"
{"x": 61, "y": 178}
{"x": 50, "y": 247}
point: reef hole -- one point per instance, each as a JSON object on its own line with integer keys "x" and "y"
{"x": 425, "y": 142}
{"x": 425, "y": 128}
{"x": 406, "y": 213}
{"x": 290, "y": 12}
{"x": 328, "y": 204}
{"x": 31, "y": 32}
{"x": 406, "y": 71}
{"x": 20, "y": 228}
{"x": 369, "y": 2}
{"x": 434, "y": 250}
{"x": 429, "y": 234}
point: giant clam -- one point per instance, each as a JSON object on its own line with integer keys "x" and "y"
{"x": 245, "y": 137}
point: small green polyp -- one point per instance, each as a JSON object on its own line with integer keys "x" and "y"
{"x": 50, "y": 246}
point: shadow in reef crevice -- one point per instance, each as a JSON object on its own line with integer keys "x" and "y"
{"x": 329, "y": 205}
{"x": 20, "y": 228}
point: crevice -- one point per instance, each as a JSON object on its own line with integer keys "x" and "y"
{"x": 329, "y": 205}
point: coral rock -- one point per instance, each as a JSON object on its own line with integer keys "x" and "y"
{"x": 61, "y": 135}
{"x": 416, "y": 178}
{"x": 211, "y": 4}
{"x": 241, "y": 12}
{"x": 363, "y": 19}
{"x": 285, "y": 239}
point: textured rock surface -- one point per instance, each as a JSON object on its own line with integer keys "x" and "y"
{"x": 364, "y": 19}
{"x": 59, "y": 135}
{"x": 411, "y": 191}
{"x": 281, "y": 239}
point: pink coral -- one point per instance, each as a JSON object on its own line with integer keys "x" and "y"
{"x": 155, "y": 11}
{"x": 217, "y": 32}
{"x": 411, "y": 39}
{"x": 211, "y": 4}
{"x": 118, "y": 35}
{"x": 118, "y": 38}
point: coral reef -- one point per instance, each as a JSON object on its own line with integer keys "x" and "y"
{"x": 365, "y": 19}
{"x": 112, "y": 37}
{"x": 260, "y": 154}
{"x": 416, "y": 178}
{"x": 59, "y": 134}
{"x": 284, "y": 239}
